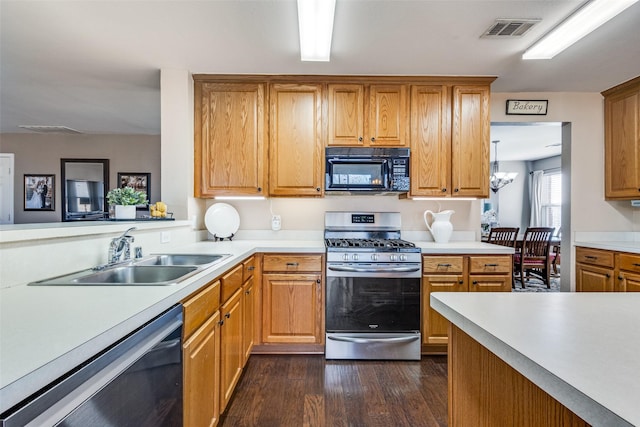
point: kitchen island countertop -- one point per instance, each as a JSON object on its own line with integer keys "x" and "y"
{"x": 580, "y": 348}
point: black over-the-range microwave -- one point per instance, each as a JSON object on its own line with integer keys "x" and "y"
{"x": 366, "y": 170}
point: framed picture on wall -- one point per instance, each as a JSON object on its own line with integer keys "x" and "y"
{"x": 39, "y": 192}
{"x": 138, "y": 181}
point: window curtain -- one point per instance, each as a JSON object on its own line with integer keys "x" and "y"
{"x": 536, "y": 199}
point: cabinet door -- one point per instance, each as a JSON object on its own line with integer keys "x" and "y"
{"x": 296, "y": 143}
{"x": 292, "y": 308}
{"x": 489, "y": 283}
{"x": 434, "y": 326}
{"x": 201, "y": 388}
{"x": 628, "y": 282}
{"x": 346, "y": 114}
{"x": 593, "y": 279}
{"x": 470, "y": 141}
{"x": 622, "y": 145}
{"x": 230, "y": 136}
{"x": 430, "y": 141}
{"x": 232, "y": 356}
{"x": 388, "y": 118}
{"x": 248, "y": 318}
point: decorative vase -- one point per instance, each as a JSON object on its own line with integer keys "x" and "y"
{"x": 441, "y": 227}
{"x": 125, "y": 212}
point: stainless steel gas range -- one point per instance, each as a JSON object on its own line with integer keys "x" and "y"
{"x": 373, "y": 288}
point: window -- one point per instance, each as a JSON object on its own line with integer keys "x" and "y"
{"x": 552, "y": 200}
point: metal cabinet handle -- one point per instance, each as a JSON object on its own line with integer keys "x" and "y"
{"x": 635, "y": 264}
{"x": 251, "y": 268}
{"x": 444, "y": 265}
{"x": 292, "y": 264}
{"x": 491, "y": 265}
{"x": 591, "y": 257}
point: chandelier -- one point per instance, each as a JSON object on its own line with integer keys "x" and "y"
{"x": 499, "y": 179}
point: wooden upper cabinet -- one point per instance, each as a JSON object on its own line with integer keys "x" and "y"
{"x": 368, "y": 115}
{"x": 470, "y": 134}
{"x": 450, "y": 140}
{"x": 430, "y": 141}
{"x": 622, "y": 141}
{"x": 296, "y": 140}
{"x": 388, "y": 115}
{"x": 230, "y": 139}
{"x": 346, "y": 114}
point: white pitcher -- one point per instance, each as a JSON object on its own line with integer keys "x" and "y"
{"x": 440, "y": 227}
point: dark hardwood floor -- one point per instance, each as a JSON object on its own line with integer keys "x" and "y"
{"x": 307, "y": 390}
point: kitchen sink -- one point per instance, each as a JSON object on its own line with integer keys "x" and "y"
{"x": 181, "y": 259}
{"x": 127, "y": 275}
{"x": 154, "y": 270}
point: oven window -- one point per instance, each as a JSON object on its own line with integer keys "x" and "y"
{"x": 358, "y": 174}
{"x": 369, "y": 304}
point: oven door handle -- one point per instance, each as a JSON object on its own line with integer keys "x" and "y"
{"x": 373, "y": 340}
{"x": 374, "y": 270}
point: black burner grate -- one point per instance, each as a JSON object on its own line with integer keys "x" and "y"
{"x": 368, "y": 243}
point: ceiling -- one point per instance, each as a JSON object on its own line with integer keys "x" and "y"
{"x": 95, "y": 66}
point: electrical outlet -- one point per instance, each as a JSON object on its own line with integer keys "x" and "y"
{"x": 276, "y": 223}
{"x": 165, "y": 237}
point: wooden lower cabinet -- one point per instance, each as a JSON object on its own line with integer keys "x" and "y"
{"x": 201, "y": 383}
{"x": 590, "y": 278}
{"x": 485, "y": 391}
{"x": 248, "y": 318}
{"x": 232, "y": 353}
{"x": 201, "y": 356}
{"x": 457, "y": 273}
{"x": 292, "y": 299}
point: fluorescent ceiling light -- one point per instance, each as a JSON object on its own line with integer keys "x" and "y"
{"x": 315, "y": 24}
{"x": 582, "y": 22}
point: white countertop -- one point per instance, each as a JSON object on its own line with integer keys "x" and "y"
{"x": 45, "y": 331}
{"x": 581, "y": 348}
{"x": 618, "y": 246}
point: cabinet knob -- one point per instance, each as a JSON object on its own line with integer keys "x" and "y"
{"x": 608, "y": 275}
{"x": 228, "y": 315}
{"x": 220, "y": 322}
{"x": 248, "y": 291}
{"x": 259, "y": 189}
{"x": 360, "y": 139}
{"x": 475, "y": 282}
{"x": 373, "y": 139}
{"x": 444, "y": 190}
{"x": 460, "y": 282}
{"x": 620, "y": 278}
{"x": 318, "y": 281}
{"x": 456, "y": 190}
{"x": 318, "y": 189}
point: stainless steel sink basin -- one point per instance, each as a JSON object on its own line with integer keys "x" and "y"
{"x": 182, "y": 259}
{"x": 126, "y": 275}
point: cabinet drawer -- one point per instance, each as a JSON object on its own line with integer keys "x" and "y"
{"x": 594, "y": 257}
{"x": 442, "y": 264}
{"x": 249, "y": 267}
{"x": 200, "y": 307}
{"x": 231, "y": 282}
{"x": 490, "y": 264}
{"x": 629, "y": 262}
{"x": 293, "y": 263}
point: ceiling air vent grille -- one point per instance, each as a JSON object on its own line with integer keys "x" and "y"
{"x": 509, "y": 28}
{"x": 50, "y": 129}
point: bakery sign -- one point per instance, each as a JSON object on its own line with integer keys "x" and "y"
{"x": 527, "y": 107}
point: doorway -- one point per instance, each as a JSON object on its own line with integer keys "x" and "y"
{"x": 525, "y": 147}
{"x": 6, "y": 187}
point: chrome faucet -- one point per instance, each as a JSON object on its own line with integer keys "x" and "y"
{"x": 119, "y": 246}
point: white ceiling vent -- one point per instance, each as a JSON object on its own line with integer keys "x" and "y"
{"x": 509, "y": 28}
{"x": 50, "y": 129}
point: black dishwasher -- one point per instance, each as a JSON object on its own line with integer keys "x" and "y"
{"x": 136, "y": 382}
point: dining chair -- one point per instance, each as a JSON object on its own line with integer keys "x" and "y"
{"x": 533, "y": 258}
{"x": 505, "y": 236}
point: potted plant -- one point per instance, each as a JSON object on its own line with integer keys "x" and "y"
{"x": 125, "y": 200}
